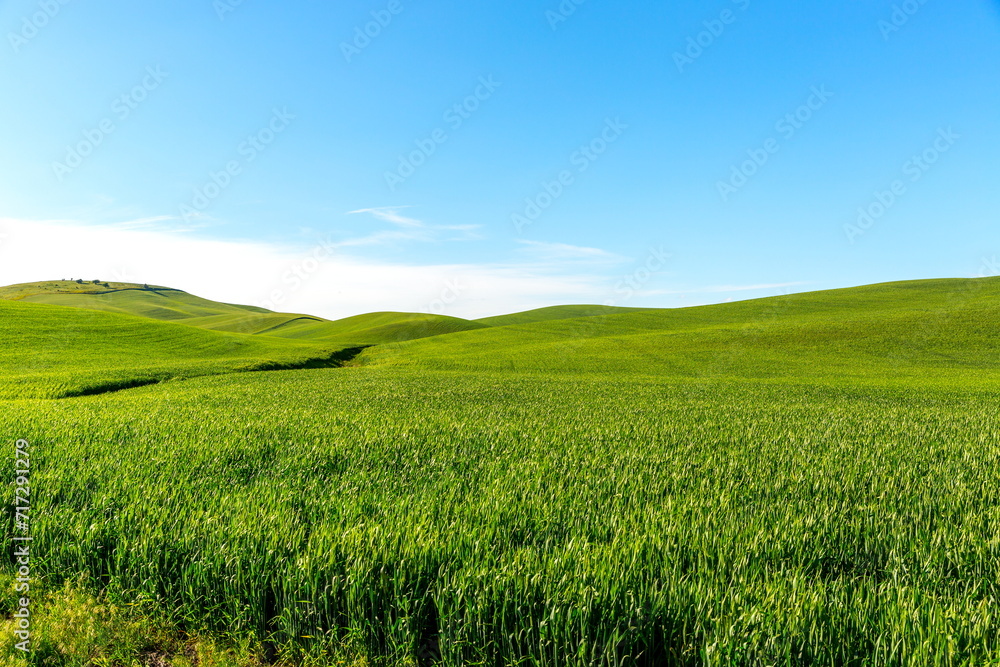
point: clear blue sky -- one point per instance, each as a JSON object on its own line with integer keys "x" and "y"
{"x": 667, "y": 120}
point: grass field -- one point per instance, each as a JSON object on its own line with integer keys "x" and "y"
{"x": 53, "y": 352}
{"x": 803, "y": 480}
{"x": 126, "y": 335}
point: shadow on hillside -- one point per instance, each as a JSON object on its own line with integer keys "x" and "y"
{"x": 336, "y": 359}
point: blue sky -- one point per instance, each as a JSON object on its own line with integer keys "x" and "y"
{"x": 478, "y": 158}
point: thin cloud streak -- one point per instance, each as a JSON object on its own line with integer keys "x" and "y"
{"x": 563, "y": 251}
{"x": 717, "y": 289}
{"x": 411, "y": 229}
{"x": 389, "y": 214}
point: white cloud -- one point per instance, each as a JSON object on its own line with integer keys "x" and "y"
{"x": 390, "y": 214}
{"x": 252, "y": 272}
{"x": 383, "y": 237}
{"x": 146, "y": 223}
{"x": 411, "y": 229}
{"x": 563, "y": 251}
{"x": 338, "y": 284}
{"x": 166, "y": 223}
{"x": 722, "y": 289}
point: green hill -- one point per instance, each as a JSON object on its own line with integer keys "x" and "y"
{"x": 367, "y": 329}
{"x": 160, "y": 303}
{"x": 49, "y": 351}
{"x": 173, "y": 305}
{"x": 121, "y": 335}
{"x": 389, "y": 327}
{"x": 63, "y": 338}
{"x": 935, "y": 328}
{"x": 553, "y": 313}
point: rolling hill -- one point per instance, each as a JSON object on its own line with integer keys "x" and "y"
{"x": 62, "y": 338}
{"x": 939, "y": 328}
{"x": 51, "y": 351}
{"x": 554, "y": 313}
{"x": 123, "y": 335}
{"x": 173, "y": 305}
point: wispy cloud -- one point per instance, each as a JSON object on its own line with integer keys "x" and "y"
{"x": 410, "y": 229}
{"x": 161, "y": 223}
{"x": 721, "y": 289}
{"x": 563, "y": 251}
{"x": 390, "y": 214}
{"x": 382, "y": 238}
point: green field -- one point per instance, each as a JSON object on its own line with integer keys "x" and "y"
{"x": 129, "y": 335}
{"x": 803, "y": 480}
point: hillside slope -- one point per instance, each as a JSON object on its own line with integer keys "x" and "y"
{"x": 51, "y": 351}
{"x": 936, "y": 330}
{"x": 554, "y": 313}
{"x": 173, "y": 305}
{"x": 947, "y": 329}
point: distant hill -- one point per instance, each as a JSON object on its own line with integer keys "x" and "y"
{"x": 944, "y": 329}
{"x": 554, "y": 313}
{"x": 160, "y": 303}
{"x": 120, "y": 335}
{"x": 173, "y": 305}
{"x": 62, "y": 338}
